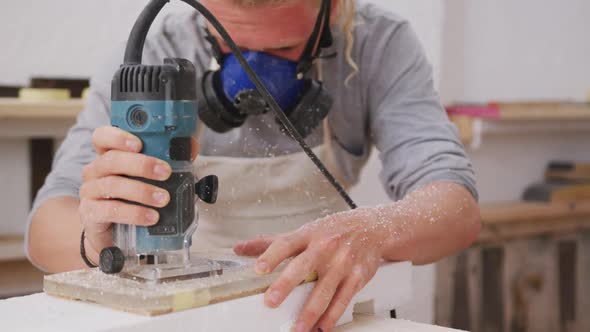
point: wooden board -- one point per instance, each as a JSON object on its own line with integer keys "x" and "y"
{"x": 157, "y": 299}
{"x": 14, "y": 108}
{"x": 525, "y": 111}
{"x": 568, "y": 171}
{"x": 390, "y": 288}
{"x": 504, "y": 221}
{"x": 473, "y": 121}
{"x": 515, "y": 212}
{"x": 544, "y": 111}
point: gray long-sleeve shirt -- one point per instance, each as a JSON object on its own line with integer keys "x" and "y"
{"x": 390, "y": 104}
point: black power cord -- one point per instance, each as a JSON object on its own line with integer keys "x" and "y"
{"x": 83, "y": 251}
{"x": 133, "y": 55}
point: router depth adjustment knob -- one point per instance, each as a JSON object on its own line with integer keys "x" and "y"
{"x": 206, "y": 189}
{"x": 111, "y": 260}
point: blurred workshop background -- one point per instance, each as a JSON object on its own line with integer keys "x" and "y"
{"x": 515, "y": 77}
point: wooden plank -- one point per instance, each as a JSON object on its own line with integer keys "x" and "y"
{"x": 544, "y": 111}
{"x": 460, "y": 316}
{"x": 156, "y": 299}
{"x": 517, "y": 212}
{"x": 505, "y": 221}
{"x": 444, "y": 291}
{"x": 583, "y": 276}
{"x": 567, "y": 284}
{"x": 498, "y": 234}
{"x": 75, "y": 86}
{"x": 515, "y": 117}
{"x": 568, "y": 171}
{"x": 492, "y": 298}
{"x": 523, "y": 111}
{"x": 475, "y": 285}
{"x": 14, "y": 108}
{"x": 516, "y": 303}
{"x": 542, "y": 281}
{"x": 530, "y": 285}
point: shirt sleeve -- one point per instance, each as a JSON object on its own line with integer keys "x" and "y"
{"x": 417, "y": 143}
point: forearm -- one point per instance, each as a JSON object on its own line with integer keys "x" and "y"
{"x": 430, "y": 223}
{"x": 54, "y": 236}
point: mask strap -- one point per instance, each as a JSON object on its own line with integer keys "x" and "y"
{"x": 324, "y": 36}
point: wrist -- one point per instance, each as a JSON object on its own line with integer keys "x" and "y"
{"x": 392, "y": 229}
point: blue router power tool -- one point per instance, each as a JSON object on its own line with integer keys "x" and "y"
{"x": 158, "y": 104}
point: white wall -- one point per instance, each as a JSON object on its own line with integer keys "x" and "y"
{"x": 62, "y": 38}
{"x": 507, "y": 50}
{"x": 68, "y": 38}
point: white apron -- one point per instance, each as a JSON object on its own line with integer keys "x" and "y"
{"x": 262, "y": 196}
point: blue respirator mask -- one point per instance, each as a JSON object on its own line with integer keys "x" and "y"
{"x": 228, "y": 96}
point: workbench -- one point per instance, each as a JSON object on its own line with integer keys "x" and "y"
{"x": 390, "y": 288}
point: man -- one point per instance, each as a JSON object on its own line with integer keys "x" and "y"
{"x": 382, "y": 88}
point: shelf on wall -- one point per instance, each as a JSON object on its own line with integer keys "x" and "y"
{"x": 474, "y": 121}
{"x": 14, "y": 108}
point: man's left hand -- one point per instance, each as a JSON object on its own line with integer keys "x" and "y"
{"x": 344, "y": 250}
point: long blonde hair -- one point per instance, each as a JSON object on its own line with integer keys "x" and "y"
{"x": 345, "y": 18}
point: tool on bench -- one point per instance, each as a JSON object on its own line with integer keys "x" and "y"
{"x": 564, "y": 182}
{"x": 158, "y": 104}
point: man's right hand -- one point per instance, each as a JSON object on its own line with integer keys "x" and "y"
{"x": 106, "y": 183}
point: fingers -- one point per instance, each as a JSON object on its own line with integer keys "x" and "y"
{"x": 96, "y": 212}
{"x": 112, "y": 138}
{"x": 294, "y": 274}
{"x": 253, "y": 247}
{"x": 318, "y": 301}
{"x": 279, "y": 250}
{"x": 341, "y": 300}
{"x": 124, "y": 188}
{"x": 115, "y": 162}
